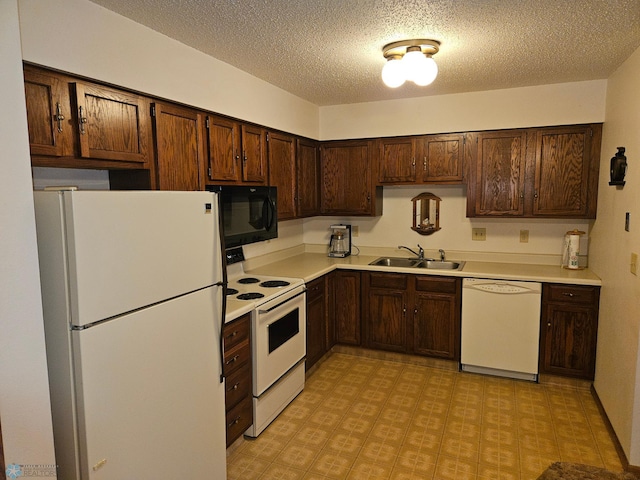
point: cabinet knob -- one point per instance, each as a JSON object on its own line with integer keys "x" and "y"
{"x": 549, "y": 324}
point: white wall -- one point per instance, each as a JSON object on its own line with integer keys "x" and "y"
{"x": 617, "y": 373}
{"x": 83, "y": 38}
{"x": 559, "y": 104}
{"x": 25, "y": 411}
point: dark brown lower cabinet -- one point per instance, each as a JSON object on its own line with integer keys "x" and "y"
{"x": 317, "y": 321}
{"x": 386, "y": 299}
{"x": 436, "y": 317}
{"x": 417, "y": 314}
{"x": 237, "y": 372}
{"x": 568, "y": 330}
{"x": 346, "y": 306}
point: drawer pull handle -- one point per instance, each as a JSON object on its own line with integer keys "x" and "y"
{"x": 235, "y": 422}
{"x": 235, "y": 357}
{"x": 232, "y": 334}
{"x": 568, "y": 294}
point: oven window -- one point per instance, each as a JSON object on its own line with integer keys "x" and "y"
{"x": 282, "y": 330}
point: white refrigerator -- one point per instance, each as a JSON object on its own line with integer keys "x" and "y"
{"x": 132, "y": 289}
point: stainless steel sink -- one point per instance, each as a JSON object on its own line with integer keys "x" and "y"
{"x": 441, "y": 265}
{"x": 396, "y": 262}
{"x": 429, "y": 263}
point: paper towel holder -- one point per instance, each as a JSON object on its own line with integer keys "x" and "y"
{"x": 618, "y": 168}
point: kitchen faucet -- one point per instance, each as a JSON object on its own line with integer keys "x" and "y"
{"x": 420, "y": 253}
{"x": 442, "y": 255}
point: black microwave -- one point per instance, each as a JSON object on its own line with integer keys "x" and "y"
{"x": 248, "y": 214}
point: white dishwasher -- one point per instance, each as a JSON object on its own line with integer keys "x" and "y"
{"x": 500, "y": 327}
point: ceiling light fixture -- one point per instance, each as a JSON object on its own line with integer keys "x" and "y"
{"x": 410, "y": 60}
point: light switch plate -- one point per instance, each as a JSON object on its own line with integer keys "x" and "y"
{"x": 355, "y": 230}
{"x": 524, "y": 236}
{"x": 479, "y": 234}
{"x": 634, "y": 263}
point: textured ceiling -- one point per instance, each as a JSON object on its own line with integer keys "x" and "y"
{"x": 330, "y": 51}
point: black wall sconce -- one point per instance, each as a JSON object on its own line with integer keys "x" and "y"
{"x": 618, "y": 168}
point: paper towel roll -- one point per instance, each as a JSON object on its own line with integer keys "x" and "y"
{"x": 574, "y": 251}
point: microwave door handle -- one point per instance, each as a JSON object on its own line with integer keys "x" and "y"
{"x": 268, "y": 212}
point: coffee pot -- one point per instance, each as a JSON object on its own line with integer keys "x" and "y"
{"x": 340, "y": 242}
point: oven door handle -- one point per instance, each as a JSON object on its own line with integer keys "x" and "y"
{"x": 282, "y": 303}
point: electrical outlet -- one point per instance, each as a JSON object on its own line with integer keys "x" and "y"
{"x": 524, "y": 236}
{"x": 355, "y": 230}
{"x": 634, "y": 263}
{"x": 479, "y": 234}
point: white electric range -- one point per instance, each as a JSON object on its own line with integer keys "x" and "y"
{"x": 278, "y": 337}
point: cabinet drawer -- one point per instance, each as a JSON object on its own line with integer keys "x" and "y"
{"x": 388, "y": 280}
{"x": 428, "y": 283}
{"x": 238, "y": 386}
{"x": 236, "y": 332}
{"x": 315, "y": 289}
{"x": 583, "y": 295}
{"x": 239, "y": 418}
{"x": 236, "y": 357}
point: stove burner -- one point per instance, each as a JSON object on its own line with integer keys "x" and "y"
{"x": 248, "y": 280}
{"x": 274, "y": 283}
{"x": 249, "y": 296}
{"x": 231, "y": 291}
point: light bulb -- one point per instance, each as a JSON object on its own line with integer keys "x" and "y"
{"x": 393, "y": 73}
{"x": 425, "y": 72}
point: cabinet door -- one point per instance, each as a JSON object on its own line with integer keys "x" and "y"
{"x": 346, "y": 178}
{"x": 282, "y": 172}
{"x": 223, "y": 148}
{"x": 568, "y": 333}
{"x": 564, "y": 171}
{"x": 385, "y": 300}
{"x": 442, "y": 158}
{"x": 316, "y": 321}
{"x": 347, "y": 307}
{"x": 308, "y": 185}
{"x": 569, "y": 336}
{"x": 397, "y": 162}
{"x": 178, "y": 147}
{"x": 48, "y": 113}
{"x": 436, "y": 317}
{"x": 112, "y": 124}
{"x": 499, "y": 174}
{"x": 254, "y": 154}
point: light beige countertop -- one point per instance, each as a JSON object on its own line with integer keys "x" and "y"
{"x": 310, "y": 266}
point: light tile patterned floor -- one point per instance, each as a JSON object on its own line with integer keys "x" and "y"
{"x": 364, "y": 418}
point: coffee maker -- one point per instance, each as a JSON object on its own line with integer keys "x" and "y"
{"x": 340, "y": 243}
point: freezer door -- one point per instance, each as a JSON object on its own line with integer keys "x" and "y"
{"x": 150, "y": 401}
{"x": 127, "y": 250}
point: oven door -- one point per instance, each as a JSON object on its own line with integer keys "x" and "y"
{"x": 279, "y": 338}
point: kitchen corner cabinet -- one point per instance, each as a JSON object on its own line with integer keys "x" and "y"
{"x": 281, "y": 154}
{"x": 308, "y": 178}
{"x": 568, "y": 330}
{"x": 346, "y": 306}
{"x": 539, "y": 172}
{"x": 84, "y": 125}
{"x": 347, "y": 179}
{"x": 237, "y": 372}
{"x": 418, "y": 314}
{"x": 317, "y": 320}
{"x": 179, "y": 147}
{"x": 421, "y": 159}
{"x": 236, "y": 152}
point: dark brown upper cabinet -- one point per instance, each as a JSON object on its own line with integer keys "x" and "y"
{"x": 308, "y": 177}
{"x": 282, "y": 172}
{"x": 421, "y": 159}
{"x": 236, "y": 152}
{"x": 179, "y": 147}
{"x": 539, "y": 172}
